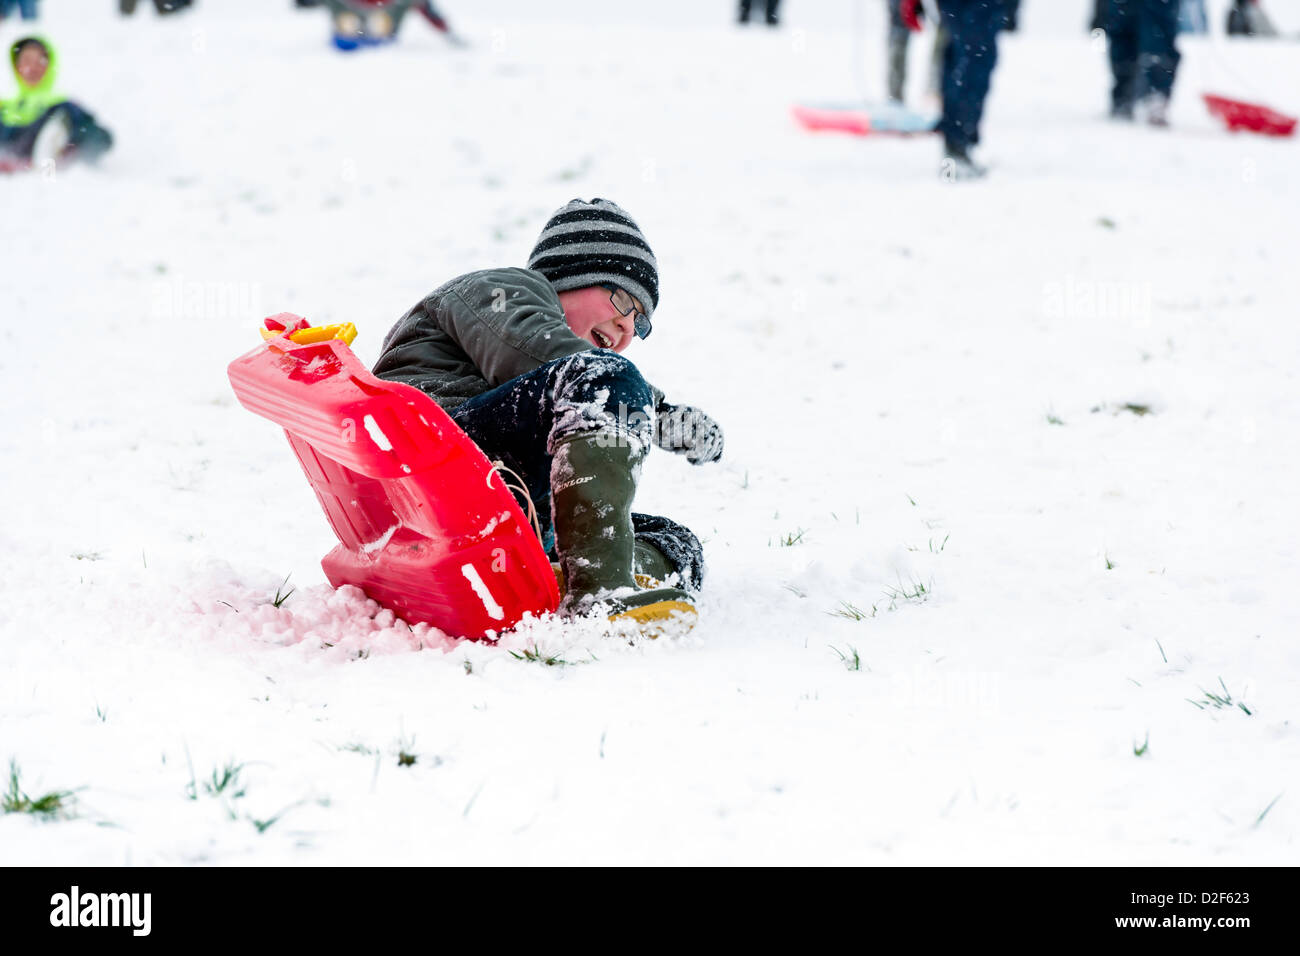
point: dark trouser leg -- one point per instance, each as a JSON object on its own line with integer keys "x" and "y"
{"x": 744, "y": 11}
{"x": 576, "y": 431}
{"x": 983, "y": 53}
{"x": 969, "y": 60}
{"x": 90, "y": 140}
{"x": 1098, "y": 21}
{"x": 664, "y": 547}
{"x": 8, "y": 139}
{"x": 950, "y": 92}
{"x": 771, "y": 12}
{"x": 1121, "y": 24}
{"x": 522, "y": 421}
{"x": 23, "y": 138}
{"x": 1011, "y": 16}
{"x": 1157, "y": 57}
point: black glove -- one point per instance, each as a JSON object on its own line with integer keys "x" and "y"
{"x": 687, "y": 431}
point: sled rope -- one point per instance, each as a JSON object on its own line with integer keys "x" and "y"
{"x": 858, "y": 32}
{"x": 1219, "y": 65}
{"x": 519, "y": 489}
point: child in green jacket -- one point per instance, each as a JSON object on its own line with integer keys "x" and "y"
{"x": 40, "y": 124}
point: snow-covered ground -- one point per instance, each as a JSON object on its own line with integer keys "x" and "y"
{"x": 931, "y": 398}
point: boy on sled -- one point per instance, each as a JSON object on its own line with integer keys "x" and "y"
{"x": 528, "y": 362}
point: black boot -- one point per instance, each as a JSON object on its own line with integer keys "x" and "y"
{"x": 958, "y": 166}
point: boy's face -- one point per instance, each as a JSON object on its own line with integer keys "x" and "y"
{"x": 592, "y": 316}
{"x": 32, "y": 63}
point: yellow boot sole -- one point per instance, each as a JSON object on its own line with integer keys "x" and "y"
{"x": 660, "y": 617}
{"x": 651, "y": 619}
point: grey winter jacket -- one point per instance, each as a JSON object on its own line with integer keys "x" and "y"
{"x": 477, "y": 332}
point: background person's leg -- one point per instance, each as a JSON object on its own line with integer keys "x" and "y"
{"x": 898, "y": 37}
{"x": 1011, "y": 15}
{"x": 950, "y": 125}
{"x": 1121, "y": 25}
{"x": 969, "y": 60}
{"x": 984, "y": 22}
{"x": 1157, "y": 56}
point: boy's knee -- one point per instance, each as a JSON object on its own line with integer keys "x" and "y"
{"x": 600, "y": 392}
{"x": 603, "y": 376}
{"x": 598, "y": 364}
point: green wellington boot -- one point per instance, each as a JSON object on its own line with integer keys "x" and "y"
{"x": 650, "y": 568}
{"x": 591, "y": 501}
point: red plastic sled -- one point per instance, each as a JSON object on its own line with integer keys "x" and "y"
{"x": 425, "y": 525}
{"x": 1249, "y": 116}
{"x": 862, "y": 120}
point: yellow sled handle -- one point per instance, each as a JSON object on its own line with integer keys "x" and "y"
{"x": 320, "y": 333}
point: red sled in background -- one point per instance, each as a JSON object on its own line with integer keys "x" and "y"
{"x": 425, "y": 523}
{"x": 892, "y": 119}
{"x": 1256, "y": 118}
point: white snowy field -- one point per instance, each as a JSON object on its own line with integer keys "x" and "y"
{"x": 931, "y": 397}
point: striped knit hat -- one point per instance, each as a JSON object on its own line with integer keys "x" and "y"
{"x": 587, "y": 243}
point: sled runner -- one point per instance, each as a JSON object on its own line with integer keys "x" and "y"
{"x": 864, "y": 120}
{"x": 1254, "y": 117}
{"x": 425, "y": 523}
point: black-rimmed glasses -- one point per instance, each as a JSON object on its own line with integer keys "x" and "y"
{"x": 626, "y": 305}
